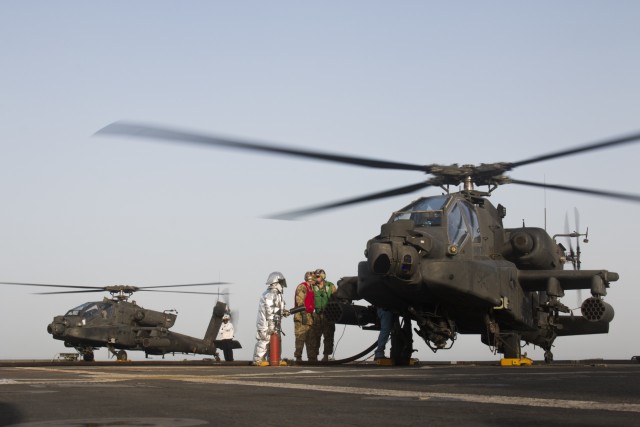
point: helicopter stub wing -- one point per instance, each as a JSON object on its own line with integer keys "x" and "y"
{"x": 538, "y": 280}
{"x": 578, "y": 325}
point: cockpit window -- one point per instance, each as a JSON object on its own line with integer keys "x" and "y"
{"x": 76, "y": 311}
{"x": 457, "y": 228}
{"x": 91, "y": 311}
{"x": 472, "y": 219}
{"x": 425, "y": 212}
{"x": 87, "y": 310}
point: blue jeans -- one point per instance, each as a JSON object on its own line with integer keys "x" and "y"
{"x": 386, "y": 323}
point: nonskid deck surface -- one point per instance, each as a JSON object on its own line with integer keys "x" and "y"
{"x": 205, "y": 393}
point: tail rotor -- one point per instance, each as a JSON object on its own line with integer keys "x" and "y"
{"x": 233, "y": 314}
{"x": 574, "y": 255}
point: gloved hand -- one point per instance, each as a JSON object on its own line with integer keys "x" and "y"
{"x": 271, "y": 328}
{"x": 285, "y": 313}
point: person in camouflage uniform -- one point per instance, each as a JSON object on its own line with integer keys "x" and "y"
{"x": 322, "y": 327}
{"x": 303, "y": 321}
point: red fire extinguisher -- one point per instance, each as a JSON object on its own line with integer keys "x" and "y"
{"x": 274, "y": 349}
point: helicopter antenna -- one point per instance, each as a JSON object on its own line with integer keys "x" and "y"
{"x": 578, "y": 252}
{"x": 578, "y": 237}
{"x": 545, "y": 202}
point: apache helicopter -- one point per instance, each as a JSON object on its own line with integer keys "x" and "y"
{"x": 447, "y": 262}
{"x": 119, "y": 324}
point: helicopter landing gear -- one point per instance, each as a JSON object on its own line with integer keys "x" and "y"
{"x": 86, "y": 352}
{"x": 510, "y": 349}
{"x": 401, "y": 342}
{"x": 548, "y": 357}
{"x": 121, "y": 355}
{"x": 510, "y": 345}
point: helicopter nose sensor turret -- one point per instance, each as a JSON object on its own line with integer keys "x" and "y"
{"x": 56, "y": 328}
{"x": 395, "y": 251}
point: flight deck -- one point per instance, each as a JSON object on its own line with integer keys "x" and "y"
{"x": 66, "y": 393}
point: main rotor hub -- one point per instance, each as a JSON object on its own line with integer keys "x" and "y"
{"x": 470, "y": 176}
{"x": 121, "y": 292}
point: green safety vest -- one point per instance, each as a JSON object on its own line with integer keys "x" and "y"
{"x": 322, "y": 296}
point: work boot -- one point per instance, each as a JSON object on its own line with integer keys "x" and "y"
{"x": 298, "y": 359}
{"x": 313, "y": 359}
{"x": 325, "y": 358}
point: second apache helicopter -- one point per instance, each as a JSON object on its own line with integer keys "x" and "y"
{"x": 119, "y": 324}
{"x": 447, "y": 262}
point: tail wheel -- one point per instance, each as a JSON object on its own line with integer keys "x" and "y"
{"x": 121, "y": 355}
{"x": 88, "y": 356}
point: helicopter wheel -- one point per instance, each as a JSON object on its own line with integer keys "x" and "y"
{"x": 401, "y": 342}
{"x": 88, "y": 356}
{"x": 121, "y": 355}
{"x": 510, "y": 345}
{"x": 548, "y": 357}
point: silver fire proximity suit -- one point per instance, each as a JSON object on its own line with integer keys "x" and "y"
{"x": 271, "y": 309}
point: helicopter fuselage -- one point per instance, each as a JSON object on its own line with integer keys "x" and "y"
{"x": 448, "y": 263}
{"x": 123, "y": 325}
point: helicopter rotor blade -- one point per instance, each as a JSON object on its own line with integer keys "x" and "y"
{"x": 635, "y": 137}
{"x": 138, "y": 130}
{"x": 180, "y": 292}
{"x": 375, "y": 196}
{"x": 611, "y": 194}
{"x": 189, "y": 284}
{"x": 88, "y": 289}
{"x": 95, "y": 288}
{"x": 70, "y": 292}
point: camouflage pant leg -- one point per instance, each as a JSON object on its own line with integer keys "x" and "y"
{"x": 323, "y": 328}
{"x": 314, "y": 335}
{"x": 301, "y": 332}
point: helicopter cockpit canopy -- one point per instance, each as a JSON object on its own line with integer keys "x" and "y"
{"x": 425, "y": 212}
{"x": 87, "y": 310}
{"x": 458, "y": 215}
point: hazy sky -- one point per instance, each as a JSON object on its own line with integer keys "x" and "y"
{"x": 412, "y": 81}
